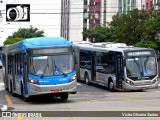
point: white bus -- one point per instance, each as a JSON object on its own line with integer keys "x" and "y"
{"x": 116, "y": 66}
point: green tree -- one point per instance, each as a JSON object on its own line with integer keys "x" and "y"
{"x": 99, "y": 34}
{"x": 147, "y": 44}
{"x": 130, "y": 28}
{"x": 12, "y": 40}
{"x": 24, "y": 33}
{"x": 152, "y": 29}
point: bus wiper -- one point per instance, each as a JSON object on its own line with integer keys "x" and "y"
{"x": 59, "y": 69}
{"x": 145, "y": 63}
{"x": 42, "y": 75}
{"x": 138, "y": 67}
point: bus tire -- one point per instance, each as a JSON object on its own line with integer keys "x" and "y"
{"x": 110, "y": 85}
{"x": 9, "y": 87}
{"x": 12, "y": 91}
{"x": 26, "y": 99}
{"x": 64, "y": 96}
{"x": 86, "y": 78}
{"x": 6, "y": 88}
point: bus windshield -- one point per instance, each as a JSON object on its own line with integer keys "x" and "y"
{"x": 141, "y": 67}
{"x": 51, "y": 65}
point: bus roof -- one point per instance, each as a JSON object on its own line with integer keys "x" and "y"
{"x": 108, "y": 46}
{"x": 40, "y": 42}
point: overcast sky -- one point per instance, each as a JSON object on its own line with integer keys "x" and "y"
{"x": 41, "y": 17}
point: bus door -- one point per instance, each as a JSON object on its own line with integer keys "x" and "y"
{"x": 100, "y": 71}
{"x": 13, "y": 73}
{"x": 25, "y": 73}
{"x": 119, "y": 69}
{"x": 93, "y": 73}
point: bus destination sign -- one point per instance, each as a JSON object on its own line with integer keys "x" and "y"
{"x": 139, "y": 53}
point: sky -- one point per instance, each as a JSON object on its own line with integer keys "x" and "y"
{"x": 44, "y": 15}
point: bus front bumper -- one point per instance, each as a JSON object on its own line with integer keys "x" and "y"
{"x": 141, "y": 87}
{"x": 53, "y": 89}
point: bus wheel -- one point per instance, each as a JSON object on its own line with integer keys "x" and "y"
{"x": 22, "y": 93}
{"x": 9, "y": 89}
{"x": 12, "y": 91}
{"x": 64, "y": 96}
{"x": 110, "y": 86}
{"x": 6, "y": 88}
{"x": 86, "y": 78}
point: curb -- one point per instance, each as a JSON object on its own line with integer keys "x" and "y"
{"x": 3, "y": 108}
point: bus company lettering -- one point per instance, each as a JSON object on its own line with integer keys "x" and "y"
{"x": 44, "y": 81}
{"x": 62, "y": 79}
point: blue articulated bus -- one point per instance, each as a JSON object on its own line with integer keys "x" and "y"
{"x": 40, "y": 66}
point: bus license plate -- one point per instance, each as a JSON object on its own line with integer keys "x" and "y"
{"x": 54, "y": 91}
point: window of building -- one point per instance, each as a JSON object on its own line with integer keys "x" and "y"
{"x": 97, "y": 4}
{"x": 85, "y": 2}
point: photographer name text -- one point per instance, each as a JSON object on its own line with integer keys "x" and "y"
{"x": 140, "y": 115}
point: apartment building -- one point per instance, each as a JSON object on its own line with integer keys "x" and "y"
{"x": 72, "y": 19}
{"x": 79, "y": 15}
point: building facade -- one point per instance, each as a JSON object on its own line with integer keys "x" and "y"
{"x": 79, "y": 15}
{"x": 72, "y": 19}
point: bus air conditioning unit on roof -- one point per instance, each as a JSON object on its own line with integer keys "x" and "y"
{"x": 110, "y": 45}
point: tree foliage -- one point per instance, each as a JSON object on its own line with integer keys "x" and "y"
{"x": 137, "y": 28}
{"x": 146, "y": 44}
{"x": 99, "y": 34}
{"x": 23, "y": 33}
{"x": 152, "y": 32}
{"x": 12, "y": 40}
{"x": 130, "y": 27}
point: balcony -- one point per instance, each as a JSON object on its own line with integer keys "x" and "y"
{"x": 96, "y": 0}
{"x": 95, "y": 8}
{"x": 93, "y": 25}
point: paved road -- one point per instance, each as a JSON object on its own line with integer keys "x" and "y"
{"x": 88, "y": 98}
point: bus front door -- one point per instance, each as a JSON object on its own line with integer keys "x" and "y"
{"x": 119, "y": 69}
{"x": 25, "y": 74}
{"x": 13, "y": 74}
{"x": 93, "y": 73}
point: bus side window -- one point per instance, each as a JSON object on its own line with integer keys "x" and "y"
{"x": 20, "y": 67}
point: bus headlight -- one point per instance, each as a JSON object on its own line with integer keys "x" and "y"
{"x": 33, "y": 81}
{"x": 73, "y": 78}
{"x": 129, "y": 82}
{"x": 154, "y": 81}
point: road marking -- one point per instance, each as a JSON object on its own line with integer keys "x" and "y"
{"x": 10, "y": 103}
{"x": 19, "y": 118}
{"x": 8, "y": 100}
